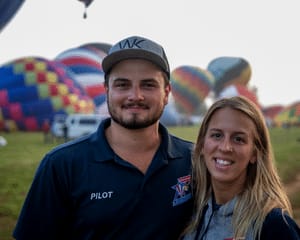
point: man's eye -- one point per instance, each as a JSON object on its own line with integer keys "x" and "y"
{"x": 121, "y": 85}
{"x": 149, "y": 85}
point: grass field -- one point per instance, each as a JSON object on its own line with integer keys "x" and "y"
{"x": 19, "y": 159}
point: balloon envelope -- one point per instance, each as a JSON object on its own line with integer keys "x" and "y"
{"x": 271, "y": 111}
{"x": 228, "y": 71}
{"x": 290, "y": 115}
{"x": 190, "y": 86}
{"x": 8, "y": 9}
{"x": 98, "y": 47}
{"x": 239, "y": 90}
{"x": 34, "y": 89}
{"x": 86, "y": 2}
{"x": 86, "y": 65}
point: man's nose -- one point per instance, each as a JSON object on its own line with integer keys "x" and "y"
{"x": 135, "y": 93}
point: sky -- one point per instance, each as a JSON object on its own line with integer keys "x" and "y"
{"x": 192, "y": 32}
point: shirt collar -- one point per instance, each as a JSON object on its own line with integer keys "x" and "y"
{"x": 167, "y": 147}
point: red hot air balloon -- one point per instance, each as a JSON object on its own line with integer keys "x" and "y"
{"x": 239, "y": 90}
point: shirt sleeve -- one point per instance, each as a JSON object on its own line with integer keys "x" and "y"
{"x": 46, "y": 208}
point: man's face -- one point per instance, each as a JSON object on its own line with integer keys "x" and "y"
{"x": 136, "y": 93}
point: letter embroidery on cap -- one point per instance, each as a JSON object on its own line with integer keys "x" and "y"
{"x": 182, "y": 190}
{"x": 133, "y": 44}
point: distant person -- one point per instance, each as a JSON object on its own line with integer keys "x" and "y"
{"x": 65, "y": 131}
{"x": 128, "y": 180}
{"x": 238, "y": 192}
{"x": 46, "y": 131}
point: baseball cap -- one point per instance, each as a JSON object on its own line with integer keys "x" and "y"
{"x": 136, "y": 47}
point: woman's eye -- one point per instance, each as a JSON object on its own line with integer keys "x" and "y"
{"x": 216, "y": 135}
{"x": 239, "y": 139}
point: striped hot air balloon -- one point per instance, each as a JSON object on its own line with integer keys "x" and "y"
{"x": 228, "y": 71}
{"x": 190, "y": 86}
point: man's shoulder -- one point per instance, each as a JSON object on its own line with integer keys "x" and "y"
{"x": 179, "y": 147}
{"x": 175, "y": 141}
{"x": 181, "y": 141}
{"x": 75, "y": 149}
{"x": 281, "y": 225}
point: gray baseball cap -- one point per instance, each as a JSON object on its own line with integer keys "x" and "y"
{"x": 136, "y": 47}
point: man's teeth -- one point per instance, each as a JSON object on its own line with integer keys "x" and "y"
{"x": 223, "y": 162}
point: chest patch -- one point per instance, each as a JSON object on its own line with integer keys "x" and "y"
{"x": 182, "y": 190}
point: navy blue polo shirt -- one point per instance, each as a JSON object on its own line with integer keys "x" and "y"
{"x": 83, "y": 190}
{"x": 278, "y": 226}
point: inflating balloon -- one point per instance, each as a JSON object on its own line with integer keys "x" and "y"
{"x": 190, "y": 86}
{"x": 270, "y": 112}
{"x": 86, "y": 64}
{"x": 33, "y": 90}
{"x": 289, "y": 115}
{"x": 98, "y": 47}
{"x": 239, "y": 90}
{"x": 170, "y": 116}
{"x": 228, "y": 71}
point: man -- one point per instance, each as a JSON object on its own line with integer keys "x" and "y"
{"x": 130, "y": 179}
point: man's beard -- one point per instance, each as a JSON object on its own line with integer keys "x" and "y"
{"x": 134, "y": 122}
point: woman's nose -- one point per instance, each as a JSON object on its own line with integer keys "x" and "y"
{"x": 226, "y": 146}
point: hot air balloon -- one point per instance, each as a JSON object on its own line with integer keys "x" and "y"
{"x": 190, "y": 86}
{"x": 86, "y": 3}
{"x": 85, "y": 62}
{"x": 228, "y": 71}
{"x": 86, "y": 65}
{"x": 270, "y": 113}
{"x": 97, "y": 46}
{"x": 239, "y": 90}
{"x": 8, "y": 9}
{"x": 34, "y": 89}
{"x": 289, "y": 116}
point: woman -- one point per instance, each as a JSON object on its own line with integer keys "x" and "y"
{"x": 238, "y": 192}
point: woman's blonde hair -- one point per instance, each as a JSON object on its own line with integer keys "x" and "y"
{"x": 263, "y": 189}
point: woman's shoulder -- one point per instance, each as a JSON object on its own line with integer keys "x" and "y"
{"x": 279, "y": 225}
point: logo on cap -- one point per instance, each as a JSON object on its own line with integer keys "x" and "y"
{"x": 131, "y": 43}
{"x": 139, "y": 48}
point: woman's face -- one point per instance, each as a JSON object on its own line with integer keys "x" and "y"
{"x": 229, "y": 147}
